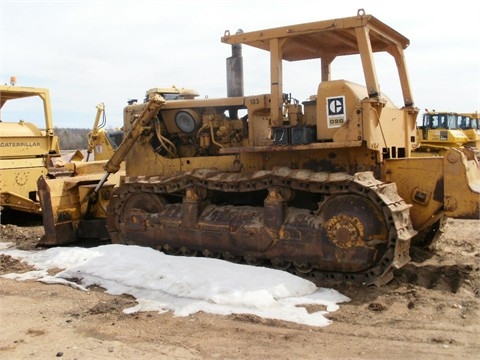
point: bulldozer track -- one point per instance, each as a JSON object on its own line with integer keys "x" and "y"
{"x": 392, "y": 251}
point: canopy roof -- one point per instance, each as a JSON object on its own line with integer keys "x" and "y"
{"x": 322, "y": 39}
{"x": 8, "y": 92}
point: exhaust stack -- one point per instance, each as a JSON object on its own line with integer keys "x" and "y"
{"x": 235, "y": 70}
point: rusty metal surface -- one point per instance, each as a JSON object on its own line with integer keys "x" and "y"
{"x": 92, "y": 229}
{"x": 47, "y": 213}
{"x": 55, "y": 233}
{"x": 360, "y": 231}
{"x": 62, "y": 202}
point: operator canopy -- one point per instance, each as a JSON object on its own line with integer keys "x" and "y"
{"x": 323, "y": 39}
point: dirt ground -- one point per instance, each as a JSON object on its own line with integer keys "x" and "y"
{"x": 431, "y": 310}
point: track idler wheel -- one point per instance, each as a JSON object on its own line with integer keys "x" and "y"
{"x": 353, "y": 221}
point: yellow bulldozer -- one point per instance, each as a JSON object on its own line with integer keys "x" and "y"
{"x": 30, "y": 150}
{"x": 26, "y": 150}
{"x": 470, "y": 125}
{"x": 442, "y": 130}
{"x": 326, "y": 188}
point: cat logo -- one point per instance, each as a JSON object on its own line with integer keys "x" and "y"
{"x": 335, "y": 111}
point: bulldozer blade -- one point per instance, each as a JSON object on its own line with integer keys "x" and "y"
{"x": 55, "y": 233}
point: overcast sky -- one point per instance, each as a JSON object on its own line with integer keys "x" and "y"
{"x": 88, "y": 52}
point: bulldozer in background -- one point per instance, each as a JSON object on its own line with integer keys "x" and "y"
{"x": 442, "y": 130}
{"x": 28, "y": 152}
{"x": 327, "y": 188}
{"x": 470, "y": 125}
